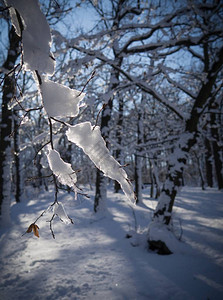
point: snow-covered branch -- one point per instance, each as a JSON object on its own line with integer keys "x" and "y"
{"x": 137, "y": 82}
{"x": 166, "y": 71}
{"x": 90, "y": 140}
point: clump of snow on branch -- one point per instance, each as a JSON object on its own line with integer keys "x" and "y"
{"x": 90, "y": 140}
{"x": 60, "y": 100}
{"x": 59, "y": 210}
{"x": 63, "y": 171}
{"x": 36, "y": 36}
{"x": 14, "y": 20}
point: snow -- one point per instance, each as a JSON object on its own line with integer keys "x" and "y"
{"x": 60, "y": 100}
{"x": 93, "y": 259}
{"x": 59, "y": 210}
{"x": 15, "y": 22}
{"x": 63, "y": 171}
{"x": 90, "y": 140}
{"x": 36, "y": 36}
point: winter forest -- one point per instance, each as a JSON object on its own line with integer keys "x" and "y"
{"x": 111, "y": 161}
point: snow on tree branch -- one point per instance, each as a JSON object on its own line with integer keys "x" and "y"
{"x": 63, "y": 171}
{"x": 90, "y": 140}
{"x": 140, "y": 83}
{"x": 59, "y": 100}
{"x": 36, "y": 36}
{"x": 59, "y": 210}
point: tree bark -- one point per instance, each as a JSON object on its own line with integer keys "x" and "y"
{"x": 208, "y": 163}
{"x": 187, "y": 140}
{"x": 200, "y": 171}
{"x": 138, "y": 158}
{"x": 118, "y": 152}
{"x": 9, "y": 87}
{"x": 16, "y": 159}
{"x": 217, "y": 150}
{"x": 101, "y": 180}
{"x": 138, "y": 178}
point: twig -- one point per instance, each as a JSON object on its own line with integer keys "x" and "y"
{"x": 15, "y": 98}
{"x": 27, "y": 112}
{"x": 51, "y": 227}
{"x": 20, "y": 91}
{"x": 37, "y": 219}
{"x": 38, "y": 177}
{"x": 51, "y": 133}
{"x": 40, "y": 150}
{"x": 123, "y": 166}
{"x": 40, "y": 215}
{"x": 103, "y": 107}
{"x": 56, "y": 120}
{"x": 79, "y": 193}
{"x": 5, "y": 8}
{"x": 38, "y": 77}
{"x": 6, "y": 75}
{"x": 92, "y": 76}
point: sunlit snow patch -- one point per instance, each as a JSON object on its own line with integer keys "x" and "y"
{"x": 92, "y": 143}
{"x": 60, "y": 100}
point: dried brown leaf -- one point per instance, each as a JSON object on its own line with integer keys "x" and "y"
{"x": 30, "y": 228}
{"x": 35, "y": 230}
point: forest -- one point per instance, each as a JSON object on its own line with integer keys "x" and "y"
{"x": 111, "y": 111}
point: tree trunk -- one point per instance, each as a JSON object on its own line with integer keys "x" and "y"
{"x": 101, "y": 192}
{"x": 216, "y": 150}
{"x": 218, "y": 164}
{"x": 177, "y": 162}
{"x": 101, "y": 180}
{"x": 200, "y": 171}
{"x": 208, "y": 163}
{"x": 17, "y": 159}
{"x": 138, "y": 178}
{"x": 138, "y": 157}
{"x": 187, "y": 140}
{"x": 6, "y": 127}
{"x": 118, "y": 154}
{"x": 174, "y": 179}
{"x": 151, "y": 178}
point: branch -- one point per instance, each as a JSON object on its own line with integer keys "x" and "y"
{"x": 9, "y": 73}
{"x": 204, "y": 93}
{"x": 51, "y": 133}
{"x": 59, "y": 121}
{"x": 38, "y": 177}
{"x": 27, "y": 112}
{"x": 40, "y": 150}
{"x": 92, "y": 76}
{"x": 51, "y": 227}
{"x": 141, "y": 84}
{"x": 103, "y": 107}
{"x": 187, "y": 41}
{"x": 176, "y": 84}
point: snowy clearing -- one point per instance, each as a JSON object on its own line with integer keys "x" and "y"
{"x": 93, "y": 259}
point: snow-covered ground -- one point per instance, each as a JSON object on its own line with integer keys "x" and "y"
{"x": 93, "y": 259}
